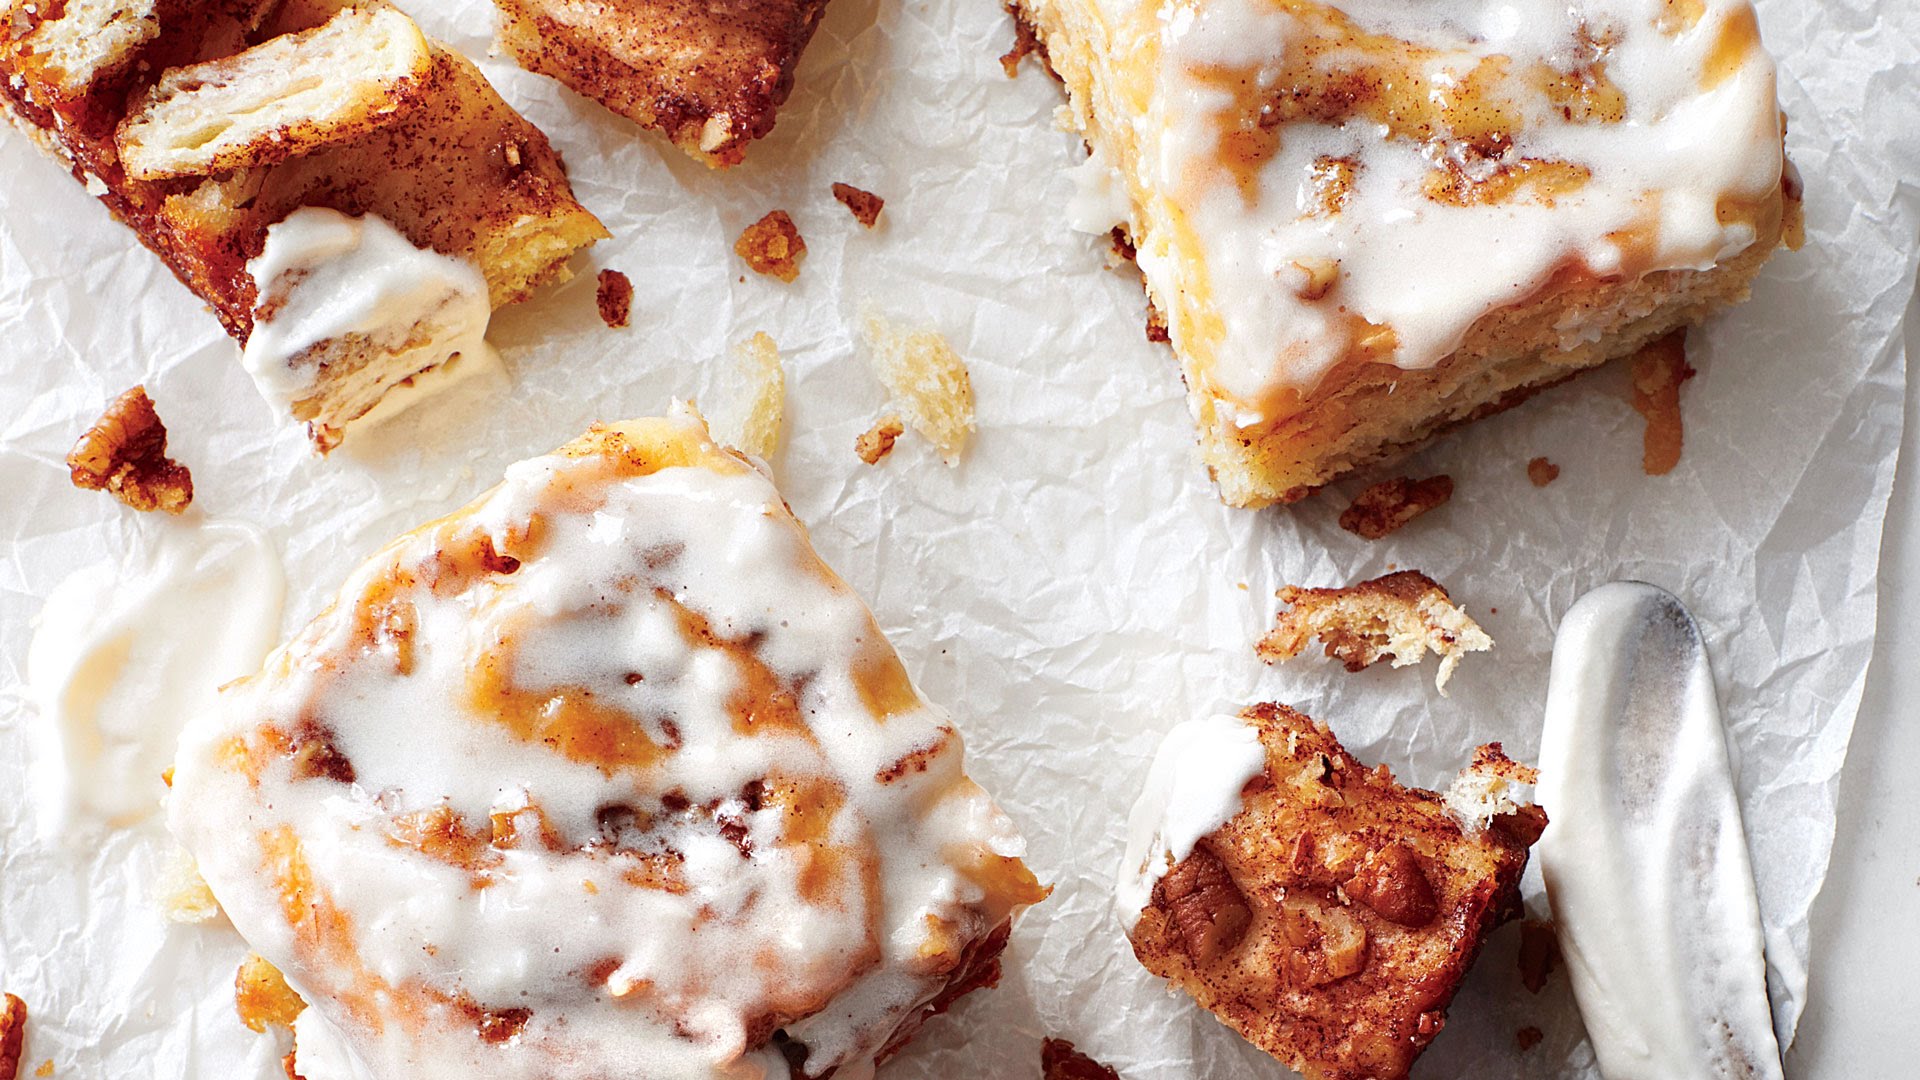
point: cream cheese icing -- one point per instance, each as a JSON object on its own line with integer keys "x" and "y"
{"x": 606, "y": 768}
{"x": 124, "y": 653}
{"x": 1193, "y": 787}
{"x": 1645, "y": 860}
{"x": 331, "y": 283}
{"x": 1312, "y": 183}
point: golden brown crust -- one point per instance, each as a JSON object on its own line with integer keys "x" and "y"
{"x": 614, "y": 297}
{"x": 13, "y": 1035}
{"x": 1367, "y": 903}
{"x": 709, "y": 76}
{"x": 877, "y": 442}
{"x": 1059, "y": 1060}
{"x": 864, "y": 205}
{"x": 1658, "y": 371}
{"x": 1386, "y": 507}
{"x": 772, "y": 246}
{"x": 124, "y": 453}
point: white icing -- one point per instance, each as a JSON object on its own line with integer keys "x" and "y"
{"x": 686, "y": 971}
{"x": 1645, "y": 861}
{"x": 1425, "y": 268}
{"x": 1193, "y": 788}
{"x": 321, "y": 1053}
{"x": 1099, "y": 200}
{"x": 325, "y": 277}
{"x": 123, "y": 654}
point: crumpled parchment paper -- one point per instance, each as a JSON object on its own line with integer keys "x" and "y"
{"x": 1073, "y": 588}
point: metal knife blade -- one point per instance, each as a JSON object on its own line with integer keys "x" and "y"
{"x": 1645, "y": 861}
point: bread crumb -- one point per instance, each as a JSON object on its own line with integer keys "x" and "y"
{"x": 1025, "y": 44}
{"x": 1539, "y": 954}
{"x": 182, "y": 893}
{"x": 772, "y": 246}
{"x": 928, "y": 382}
{"x": 13, "y": 1035}
{"x": 1493, "y": 788}
{"x": 615, "y": 299}
{"x": 262, "y": 997}
{"x": 45, "y": 1069}
{"x": 1060, "y": 1061}
{"x": 1527, "y": 1038}
{"x": 124, "y": 453}
{"x": 1658, "y": 371}
{"x": 1401, "y": 616}
{"x": 865, "y": 205}
{"x": 1387, "y": 506}
{"x": 877, "y": 442}
{"x": 1542, "y": 472}
{"x": 751, "y": 423}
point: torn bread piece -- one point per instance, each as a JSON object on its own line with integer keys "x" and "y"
{"x": 1314, "y": 905}
{"x": 757, "y": 399}
{"x": 927, "y": 380}
{"x": 284, "y": 97}
{"x": 606, "y": 767}
{"x": 443, "y": 167}
{"x": 1401, "y": 616}
{"x": 709, "y": 76}
{"x": 1369, "y": 223}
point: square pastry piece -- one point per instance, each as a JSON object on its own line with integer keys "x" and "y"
{"x": 708, "y": 74}
{"x": 605, "y": 774}
{"x": 351, "y": 199}
{"x": 1315, "y": 906}
{"x": 1365, "y": 222}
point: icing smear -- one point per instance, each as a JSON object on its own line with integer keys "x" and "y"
{"x": 1193, "y": 788}
{"x": 606, "y": 768}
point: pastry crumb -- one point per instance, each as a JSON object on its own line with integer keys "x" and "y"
{"x": 181, "y": 891}
{"x": 1025, "y": 44}
{"x": 1542, "y": 472}
{"x": 1401, "y": 616}
{"x": 124, "y": 453}
{"x": 1059, "y": 1060}
{"x": 877, "y": 442}
{"x": 1389, "y": 505}
{"x": 928, "y": 382}
{"x": 1494, "y": 787}
{"x": 1527, "y": 1038}
{"x": 13, "y": 1035}
{"x": 262, "y": 997}
{"x": 615, "y": 299}
{"x": 1658, "y": 371}
{"x": 1539, "y": 954}
{"x": 772, "y": 246}
{"x": 864, "y": 205}
{"x": 752, "y": 424}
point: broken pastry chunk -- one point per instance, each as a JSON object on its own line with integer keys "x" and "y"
{"x": 927, "y": 380}
{"x": 124, "y": 454}
{"x": 1401, "y": 616}
{"x": 708, "y": 76}
{"x": 1059, "y": 1060}
{"x": 772, "y": 246}
{"x": 1317, "y": 907}
{"x": 351, "y": 199}
{"x": 1368, "y": 223}
{"x": 877, "y": 441}
{"x": 606, "y": 767}
{"x": 1658, "y": 371}
{"x": 613, "y": 295}
{"x": 1386, "y": 507}
{"x": 865, "y": 206}
{"x": 262, "y": 997}
{"x": 758, "y": 401}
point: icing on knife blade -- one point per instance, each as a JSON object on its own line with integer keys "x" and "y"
{"x": 1645, "y": 860}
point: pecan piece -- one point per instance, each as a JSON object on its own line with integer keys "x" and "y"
{"x": 864, "y": 205}
{"x": 1205, "y": 906}
{"x": 1326, "y": 943}
{"x": 124, "y": 454}
{"x": 1391, "y": 882}
{"x": 613, "y": 295}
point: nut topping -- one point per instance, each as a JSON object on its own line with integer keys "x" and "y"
{"x": 1391, "y": 882}
{"x": 1206, "y": 907}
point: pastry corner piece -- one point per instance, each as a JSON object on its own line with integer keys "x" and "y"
{"x": 351, "y": 199}
{"x": 1365, "y": 224}
{"x": 1317, "y": 907}
{"x": 606, "y": 767}
{"x": 709, "y": 76}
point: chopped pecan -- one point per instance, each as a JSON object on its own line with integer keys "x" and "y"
{"x": 1206, "y": 907}
{"x": 772, "y": 246}
{"x": 13, "y": 1035}
{"x": 1387, "y": 506}
{"x": 1326, "y": 943}
{"x": 1542, "y": 472}
{"x": 124, "y": 454}
{"x": 1391, "y": 882}
{"x": 614, "y": 297}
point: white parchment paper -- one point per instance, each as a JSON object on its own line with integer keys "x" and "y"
{"x": 1073, "y": 588}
